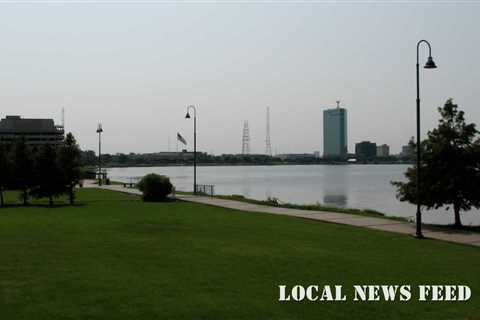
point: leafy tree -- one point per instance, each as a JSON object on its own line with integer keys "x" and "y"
{"x": 49, "y": 180}
{"x": 23, "y": 168}
{"x": 70, "y": 161}
{"x": 122, "y": 158}
{"x": 155, "y": 187}
{"x": 89, "y": 158}
{"x": 450, "y": 167}
{"x": 5, "y": 170}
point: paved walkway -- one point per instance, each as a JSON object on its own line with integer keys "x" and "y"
{"x": 383, "y": 224}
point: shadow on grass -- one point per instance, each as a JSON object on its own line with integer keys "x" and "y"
{"x": 42, "y": 205}
{"x": 450, "y": 228}
{"x": 79, "y": 204}
{"x": 167, "y": 200}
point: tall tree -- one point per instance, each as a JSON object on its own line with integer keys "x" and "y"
{"x": 450, "y": 168}
{"x": 49, "y": 181}
{"x": 70, "y": 161}
{"x": 23, "y": 168}
{"x": 5, "y": 170}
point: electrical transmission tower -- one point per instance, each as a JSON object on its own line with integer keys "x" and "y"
{"x": 246, "y": 139}
{"x": 63, "y": 117}
{"x": 268, "y": 145}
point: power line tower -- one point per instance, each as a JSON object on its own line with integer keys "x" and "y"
{"x": 246, "y": 139}
{"x": 268, "y": 145}
{"x": 63, "y": 117}
{"x": 62, "y": 125}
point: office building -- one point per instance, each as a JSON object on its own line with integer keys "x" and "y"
{"x": 383, "y": 151}
{"x": 35, "y": 131}
{"x": 407, "y": 152}
{"x": 365, "y": 150}
{"x": 335, "y": 133}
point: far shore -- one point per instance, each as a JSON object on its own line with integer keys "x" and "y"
{"x": 116, "y": 165}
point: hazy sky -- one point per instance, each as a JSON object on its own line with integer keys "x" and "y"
{"x": 135, "y": 68}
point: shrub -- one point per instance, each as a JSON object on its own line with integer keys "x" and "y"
{"x": 155, "y": 187}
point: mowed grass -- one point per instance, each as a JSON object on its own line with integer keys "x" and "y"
{"x": 115, "y": 257}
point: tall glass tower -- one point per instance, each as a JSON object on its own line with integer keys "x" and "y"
{"x": 335, "y": 133}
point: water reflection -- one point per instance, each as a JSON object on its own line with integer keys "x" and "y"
{"x": 335, "y": 200}
{"x": 336, "y": 182}
{"x": 245, "y": 181}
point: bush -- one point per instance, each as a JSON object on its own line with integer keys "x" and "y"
{"x": 155, "y": 187}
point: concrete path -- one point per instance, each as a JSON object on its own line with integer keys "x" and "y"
{"x": 383, "y": 224}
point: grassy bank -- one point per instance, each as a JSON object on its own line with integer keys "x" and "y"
{"x": 114, "y": 257}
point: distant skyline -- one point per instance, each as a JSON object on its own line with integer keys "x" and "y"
{"x": 136, "y": 67}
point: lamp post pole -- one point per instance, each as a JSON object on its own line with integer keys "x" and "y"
{"x": 99, "y": 131}
{"x": 194, "y": 145}
{"x": 429, "y": 65}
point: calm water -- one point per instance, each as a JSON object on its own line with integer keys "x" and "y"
{"x": 352, "y": 186}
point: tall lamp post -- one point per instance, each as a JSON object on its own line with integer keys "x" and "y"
{"x": 99, "y": 131}
{"x": 428, "y": 65}
{"x": 187, "y": 116}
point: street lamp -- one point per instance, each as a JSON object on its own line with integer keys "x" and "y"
{"x": 99, "y": 131}
{"x": 428, "y": 65}
{"x": 187, "y": 116}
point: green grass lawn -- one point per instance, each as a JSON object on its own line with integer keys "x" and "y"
{"x": 114, "y": 257}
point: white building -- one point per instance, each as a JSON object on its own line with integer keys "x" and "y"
{"x": 383, "y": 150}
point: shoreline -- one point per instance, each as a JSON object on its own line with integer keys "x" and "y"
{"x": 275, "y": 203}
{"x": 357, "y": 217}
{"x": 355, "y": 211}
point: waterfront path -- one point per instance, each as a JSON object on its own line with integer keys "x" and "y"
{"x": 383, "y": 224}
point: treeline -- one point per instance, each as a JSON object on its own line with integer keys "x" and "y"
{"x": 89, "y": 158}
{"x": 40, "y": 171}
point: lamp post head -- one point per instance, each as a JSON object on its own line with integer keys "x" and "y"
{"x": 99, "y": 128}
{"x": 187, "y": 116}
{"x": 430, "y": 64}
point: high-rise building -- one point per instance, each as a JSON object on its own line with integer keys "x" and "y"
{"x": 383, "y": 151}
{"x": 335, "y": 133}
{"x": 366, "y": 150}
{"x": 407, "y": 152}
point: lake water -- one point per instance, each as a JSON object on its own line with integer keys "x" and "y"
{"x": 349, "y": 186}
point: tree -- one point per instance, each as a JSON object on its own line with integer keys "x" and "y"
{"x": 89, "y": 158}
{"x": 23, "y": 168}
{"x": 155, "y": 187}
{"x": 450, "y": 166}
{"x": 49, "y": 180}
{"x": 5, "y": 170}
{"x": 70, "y": 161}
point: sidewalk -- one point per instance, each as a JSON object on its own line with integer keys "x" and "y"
{"x": 383, "y": 224}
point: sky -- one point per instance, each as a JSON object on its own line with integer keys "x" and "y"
{"x": 135, "y": 67}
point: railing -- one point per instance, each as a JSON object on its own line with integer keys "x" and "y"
{"x": 131, "y": 182}
{"x": 128, "y": 182}
{"x": 207, "y": 189}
